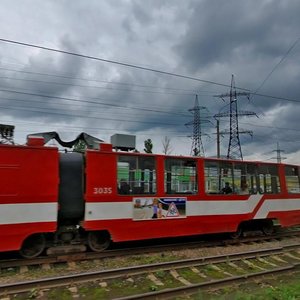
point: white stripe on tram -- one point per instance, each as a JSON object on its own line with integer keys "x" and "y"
{"x": 28, "y": 213}
{"x": 276, "y": 205}
{"x": 222, "y": 207}
{"x": 124, "y": 210}
{"x": 108, "y": 210}
{"x": 47, "y": 212}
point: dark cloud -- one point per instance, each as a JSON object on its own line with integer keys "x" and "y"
{"x": 209, "y": 40}
{"x": 22, "y": 89}
{"x": 223, "y": 32}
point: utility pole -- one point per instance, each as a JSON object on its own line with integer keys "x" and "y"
{"x": 219, "y": 134}
{"x": 218, "y": 139}
{"x": 234, "y": 147}
{"x": 197, "y": 146}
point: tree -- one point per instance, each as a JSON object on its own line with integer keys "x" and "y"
{"x": 166, "y": 142}
{"x": 80, "y": 146}
{"x": 148, "y": 146}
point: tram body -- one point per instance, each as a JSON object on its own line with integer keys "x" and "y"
{"x": 182, "y": 183}
{"x": 29, "y": 178}
{"x": 101, "y": 195}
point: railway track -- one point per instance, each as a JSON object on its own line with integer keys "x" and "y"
{"x": 138, "y": 250}
{"x": 210, "y": 271}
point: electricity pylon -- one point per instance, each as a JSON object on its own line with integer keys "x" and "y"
{"x": 234, "y": 147}
{"x": 197, "y": 145}
{"x": 6, "y": 134}
{"x": 278, "y": 157}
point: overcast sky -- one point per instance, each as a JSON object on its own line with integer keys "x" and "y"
{"x": 256, "y": 40}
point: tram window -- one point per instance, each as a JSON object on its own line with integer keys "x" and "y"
{"x": 245, "y": 179}
{"x": 240, "y": 177}
{"x": 292, "y": 179}
{"x": 180, "y": 176}
{"x": 268, "y": 180}
{"x": 218, "y": 175}
{"x": 136, "y": 175}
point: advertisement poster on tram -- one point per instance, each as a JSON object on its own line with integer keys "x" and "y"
{"x": 154, "y": 208}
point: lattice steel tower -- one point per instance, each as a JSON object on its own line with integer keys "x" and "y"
{"x": 6, "y": 134}
{"x": 197, "y": 146}
{"x": 234, "y": 147}
{"x": 278, "y": 157}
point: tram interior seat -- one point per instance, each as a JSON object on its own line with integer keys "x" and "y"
{"x": 138, "y": 190}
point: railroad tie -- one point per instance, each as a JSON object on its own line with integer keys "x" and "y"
{"x": 179, "y": 278}
{"x": 235, "y": 266}
{"x": 74, "y": 291}
{"x": 266, "y": 262}
{"x": 46, "y": 267}
{"x": 154, "y": 279}
{"x": 253, "y": 243}
{"x": 103, "y": 284}
{"x": 292, "y": 256}
{"x": 279, "y": 259}
{"x": 131, "y": 280}
{"x": 195, "y": 270}
{"x": 252, "y": 265}
{"x": 71, "y": 265}
{"x": 23, "y": 269}
{"x": 216, "y": 268}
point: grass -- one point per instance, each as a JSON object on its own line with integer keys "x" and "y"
{"x": 273, "y": 288}
{"x": 277, "y": 288}
{"x": 285, "y": 288}
{"x": 190, "y": 276}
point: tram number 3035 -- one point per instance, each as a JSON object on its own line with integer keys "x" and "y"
{"x": 102, "y": 190}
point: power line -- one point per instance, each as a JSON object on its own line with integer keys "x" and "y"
{"x": 89, "y": 117}
{"x": 275, "y": 67}
{"x": 179, "y": 108}
{"x": 116, "y": 62}
{"x": 39, "y": 124}
{"x": 67, "y": 106}
{"x": 74, "y": 129}
{"x": 90, "y": 102}
{"x": 96, "y": 87}
{"x": 189, "y": 91}
{"x": 49, "y": 82}
{"x": 245, "y": 123}
{"x": 272, "y": 127}
{"x": 143, "y": 68}
{"x": 120, "y": 106}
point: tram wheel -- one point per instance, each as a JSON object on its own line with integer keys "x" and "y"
{"x": 237, "y": 234}
{"x": 267, "y": 227}
{"x": 33, "y": 246}
{"x": 98, "y": 240}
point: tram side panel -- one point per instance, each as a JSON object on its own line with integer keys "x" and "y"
{"x": 283, "y": 206}
{"x": 217, "y": 213}
{"x": 106, "y": 210}
{"x": 28, "y": 193}
{"x": 285, "y": 209}
{"x": 101, "y": 206}
{"x": 131, "y": 217}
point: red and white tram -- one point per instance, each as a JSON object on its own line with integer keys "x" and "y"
{"x": 49, "y": 199}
